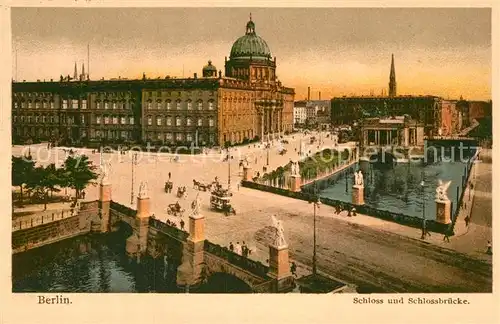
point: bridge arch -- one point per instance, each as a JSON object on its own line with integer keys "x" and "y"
{"x": 222, "y": 282}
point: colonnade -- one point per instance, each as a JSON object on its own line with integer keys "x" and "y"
{"x": 271, "y": 121}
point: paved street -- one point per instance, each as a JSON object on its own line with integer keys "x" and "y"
{"x": 366, "y": 251}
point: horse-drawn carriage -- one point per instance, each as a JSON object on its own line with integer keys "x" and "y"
{"x": 175, "y": 209}
{"x": 220, "y": 200}
{"x": 181, "y": 191}
{"x": 168, "y": 186}
{"x": 201, "y": 186}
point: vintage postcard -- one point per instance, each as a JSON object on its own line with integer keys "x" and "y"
{"x": 340, "y": 153}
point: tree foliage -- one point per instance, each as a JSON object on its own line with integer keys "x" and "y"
{"x": 76, "y": 173}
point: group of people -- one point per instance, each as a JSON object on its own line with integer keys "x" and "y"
{"x": 240, "y": 249}
{"x": 173, "y": 224}
{"x": 350, "y": 212}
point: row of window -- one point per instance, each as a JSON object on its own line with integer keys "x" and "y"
{"x": 37, "y": 104}
{"x": 114, "y": 120}
{"x": 178, "y": 105}
{"x": 180, "y": 137}
{"x": 178, "y": 121}
{"x": 179, "y": 93}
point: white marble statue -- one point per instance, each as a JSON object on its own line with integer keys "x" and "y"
{"x": 292, "y": 168}
{"x": 442, "y": 190}
{"x": 246, "y": 162}
{"x": 143, "y": 190}
{"x": 358, "y": 178}
{"x": 361, "y": 181}
{"x": 279, "y": 239}
{"x": 195, "y": 205}
{"x": 105, "y": 168}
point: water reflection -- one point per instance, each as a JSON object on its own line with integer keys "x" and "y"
{"x": 98, "y": 263}
{"x": 399, "y": 189}
{"x": 90, "y": 264}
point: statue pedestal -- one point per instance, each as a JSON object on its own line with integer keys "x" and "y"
{"x": 279, "y": 266}
{"x": 358, "y": 195}
{"x": 142, "y": 207}
{"x": 247, "y": 173}
{"x": 104, "y": 206}
{"x": 295, "y": 185}
{"x": 196, "y": 228}
{"x": 443, "y": 211}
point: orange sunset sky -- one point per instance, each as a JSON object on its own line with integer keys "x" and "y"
{"x": 338, "y": 51}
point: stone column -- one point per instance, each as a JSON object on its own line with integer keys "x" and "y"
{"x": 190, "y": 270}
{"x": 262, "y": 126}
{"x": 104, "y": 205}
{"x": 247, "y": 173}
{"x": 138, "y": 242}
{"x": 279, "y": 268}
{"x": 443, "y": 211}
{"x": 271, "y": 130}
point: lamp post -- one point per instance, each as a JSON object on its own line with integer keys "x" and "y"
{"x": 228, "y": 170}
{"x": 134, "y": 163}
{"x": 267, "y": 159}
{"x": 424, "y": 230}
{"x": 316, "y": 203}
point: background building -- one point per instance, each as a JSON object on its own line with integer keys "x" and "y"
{"x": 248, "y": 103}
{"x": 299, "y": 113}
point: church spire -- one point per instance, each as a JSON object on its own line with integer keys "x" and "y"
{"x": 82, "y": 76}
{"x": 75, "y": 74}
{"x": 392, "y": 79}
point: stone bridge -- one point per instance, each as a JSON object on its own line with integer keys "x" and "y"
{"x": 199, "y": 258}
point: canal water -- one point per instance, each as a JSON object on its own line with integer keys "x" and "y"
{"x": 399, "y": 189}
{"x": 99, "y": 264}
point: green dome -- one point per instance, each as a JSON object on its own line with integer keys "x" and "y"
{"x": 209, "y": 67}
{"x": 250, "y": 45}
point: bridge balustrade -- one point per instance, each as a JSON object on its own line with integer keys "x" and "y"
{"x": 122, "y": 209}
{"x": 251, "y": 266}
{"x": 167, "y": 229}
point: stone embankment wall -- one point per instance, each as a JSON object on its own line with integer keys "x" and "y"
{"x": 51, "y": 231}
{"x": 365, "y": 210}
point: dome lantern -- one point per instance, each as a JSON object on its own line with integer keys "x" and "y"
{"x": 250, "y": 45}
{"x": 209, "y": 70}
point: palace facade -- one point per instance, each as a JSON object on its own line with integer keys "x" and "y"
{"x": 248, "y": 103}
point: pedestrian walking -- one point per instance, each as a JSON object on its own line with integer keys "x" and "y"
{"x": 237, "y": 248}
{"x": 182, "y": 224}
{"x": 467, "y": 220}
{"x": 293, "y": 269}
{"x": 169, "y": 175}
{"x": 446, "y": 237}
{"x": 238, "y": 185}
{"x": 488, "y": 248}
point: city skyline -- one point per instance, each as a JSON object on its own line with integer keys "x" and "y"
{"x": 435, "y": 52}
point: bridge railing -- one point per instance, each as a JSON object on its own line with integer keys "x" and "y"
{"x": 399, "y": 218}
{"x": 123, "y": 209}
{"x": 251, "y": 266}
{"x": 44, "y": 217}
{"x": 168, "y": 229}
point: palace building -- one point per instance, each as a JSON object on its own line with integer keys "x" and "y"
{"x": 247, "y": 103}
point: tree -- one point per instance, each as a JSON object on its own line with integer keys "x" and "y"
{"x": 22, "y": 168}
{"x": 80, "y": 172}
{"x": 44, "y": 180}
